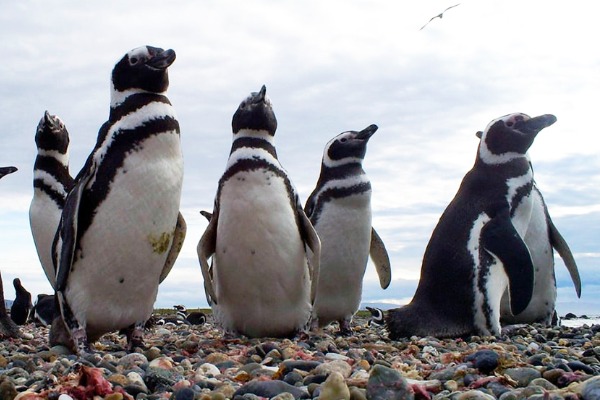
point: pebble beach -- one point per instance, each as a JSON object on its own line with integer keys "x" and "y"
{"x": 197, "y": 362}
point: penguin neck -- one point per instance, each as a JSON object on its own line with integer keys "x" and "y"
{"x": 248, "y": 139}
{"x": 118, "y": 97}
{"x": 62, "y": 158}
{"x": 342, "y": 171}
{"x": 485, "y": 156}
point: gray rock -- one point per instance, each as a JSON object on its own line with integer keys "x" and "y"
{"x": 523, "y": 376}
{"x": 271, "y": 389}
{"x": 387, "y": 384}
{"x": 591, "y": 389}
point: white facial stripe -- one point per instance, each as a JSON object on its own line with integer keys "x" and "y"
{"x": 141, "y": 51}
{"x": 328, "y": 162}
{"x": 62, "y": 158}
{"x": 494, "y": 159}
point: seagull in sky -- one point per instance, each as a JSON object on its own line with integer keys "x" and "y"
{"x": 440, "y": 15}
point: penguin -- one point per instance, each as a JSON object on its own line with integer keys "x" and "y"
{"x": 19, "y": 311}
{"x": 6, "y": 170}
{"x": 377, "y": 317}
{"x": 340, "y": 210}
{"x": 476, "y": 251}
{"x": 120, "y": 230}
{"x": 51, "y": 183}
{"x": 44, "y": 310}
{"x": 265, "y": 252}
{"x": 541, "y": 237}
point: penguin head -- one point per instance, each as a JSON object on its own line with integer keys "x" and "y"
{"x": 52, "y": 134}
{"x": 7, "y": 170}
{"x": 143, "y": 68}
{"x": 348, "y": 147}
{"x": 255, "y": 113}
{"x": 510, "y": 136}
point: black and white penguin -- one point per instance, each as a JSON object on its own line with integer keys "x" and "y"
{"x": 541, "y": 238}
{"x": 19, "y": 311}
{"x": 340, "y": 210}
{"x": 44, "y": 310}
{"x": 261, "y": 282}
{"x": 51, "y": 183}
{"x": 477, "y": 250}
{"x": 6, "y": 170}
{"x": 121, "y": 230}
{"x": 377, "y": 317}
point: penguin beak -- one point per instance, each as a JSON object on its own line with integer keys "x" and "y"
{"x": 260, "y": 97}
{"x": 366, "y": 133}
{"x": 7, "y": 170}
{"x": 162, "y": 60}
{"x": 534, "y": 125}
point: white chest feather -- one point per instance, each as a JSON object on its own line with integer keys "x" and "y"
{"x": 260, "y": 266}
{"x": 125, "y": 248}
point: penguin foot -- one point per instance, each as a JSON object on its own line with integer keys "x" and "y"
{"x": 135, "y": 337}
{"x": 80, "y": 341}
{"x": 345, "y": 329}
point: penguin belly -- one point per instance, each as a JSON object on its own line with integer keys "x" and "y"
{"x": 344, "y": 227}
{"x": 114, "y": 280}
{"x": 537, "y": 239}
{"x": 261, "y": 272}
{"x": 44, "y": 217}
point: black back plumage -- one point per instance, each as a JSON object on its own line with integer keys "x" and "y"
{"x": 19, "y": 311}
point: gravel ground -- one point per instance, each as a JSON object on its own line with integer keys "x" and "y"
{"x": 196, "y": 362}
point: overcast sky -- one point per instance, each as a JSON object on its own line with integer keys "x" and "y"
{"x": 329, "y": 66}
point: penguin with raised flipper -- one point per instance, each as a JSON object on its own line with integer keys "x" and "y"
{"x": 477, "y": 250}
{"x": 340, "y": 210}
{"x": 51, "y": 183}
{"x": 121, "y": 230}
{"x": 265, "y": 252}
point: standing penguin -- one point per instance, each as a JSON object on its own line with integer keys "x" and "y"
{"x": 477, "y": 250}
{"x": 262, "y": 278}
{"x": 51, "y": 183}
{"x": 541, "y": 237}
{"x": 19, "y": 311}
{"x": 120, "y": 230}
{"x": 340, "y": 210}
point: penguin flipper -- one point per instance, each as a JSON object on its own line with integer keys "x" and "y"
{"x": 67, "y": 230}
{"x": 500, "y": 238}
{"x": 560, "y": 244}
{"x": 176, "y": 245}
{"x": 206, "y": 248}
{"x": 311, "y": 239}
{"x": 381, "y": 259}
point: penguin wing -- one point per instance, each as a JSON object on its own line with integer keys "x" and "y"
{"x": 500, "y": 238}
{"x": 67, "y": 229}
{"x": 560, "y": 244}
{"x": 206, "y": 248}
{"x": 380, "y": 258}
{"x": 176, "y": 245}
{"x": 311, "y": 239}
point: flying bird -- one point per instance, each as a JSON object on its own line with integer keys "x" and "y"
{"x": 440, "y": 15}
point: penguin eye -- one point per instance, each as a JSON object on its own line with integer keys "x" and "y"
{"x": 243, "y": 104}
{"x": 343, "y": 140}
{"x": 133, "y": 60}
{"x": 509, "y": 123}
